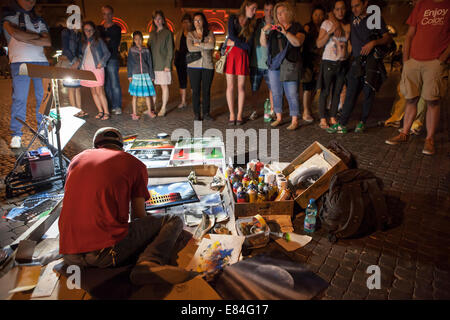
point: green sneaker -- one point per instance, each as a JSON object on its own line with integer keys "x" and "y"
{"x": 337, "y": 128}
{"x": 360, "y": 127}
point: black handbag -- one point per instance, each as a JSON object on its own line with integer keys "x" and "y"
{"x": 193, "y": 56}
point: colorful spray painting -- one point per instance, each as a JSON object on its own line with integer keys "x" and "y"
{"x": 170, "y": 194}
{"x": 215, "y": 253}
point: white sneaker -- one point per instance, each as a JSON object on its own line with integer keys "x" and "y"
{"x": 16, "y": 142}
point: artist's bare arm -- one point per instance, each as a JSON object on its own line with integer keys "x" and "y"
{"x": 18, "y": 34}
{"x": 43, "y": 41}
{"x": 407, "y": 45}
{"x": 138, "y": 208}
{"x": 445, "y": 55}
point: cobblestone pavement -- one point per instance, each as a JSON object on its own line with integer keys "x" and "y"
{"x": 414, "y": 257}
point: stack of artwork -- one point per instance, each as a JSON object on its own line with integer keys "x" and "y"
{"x": 154, "y": 153}
{"x": 198, "y": 151}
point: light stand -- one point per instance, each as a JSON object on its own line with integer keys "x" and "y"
{"x": 20, "y": 182}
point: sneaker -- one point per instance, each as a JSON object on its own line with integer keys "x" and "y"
{"x": 428, "y": 147}
{"x": 412, "y": 131}
{"x": 148, "y": 272}
{"x": 253, "y": 116}
{"x": 416, "y": 131}
{"x": 116, "y": 111}
{"x": 337, "y": 128}
{"x": 400, "y": 138}
{"x": 395, "y": 124}
{"x": 360, "y": 127}
{"x": 16, "y": 142}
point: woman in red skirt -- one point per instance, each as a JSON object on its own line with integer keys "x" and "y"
{"x": 240, "y": 34}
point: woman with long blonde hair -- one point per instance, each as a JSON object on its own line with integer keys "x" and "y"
{"x": 240, "y": 35}
{"x": 284, "y": 58}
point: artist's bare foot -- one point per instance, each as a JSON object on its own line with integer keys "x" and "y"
{"x": 148, "y": 272}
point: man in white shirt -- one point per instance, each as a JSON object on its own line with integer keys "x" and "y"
{"x": 27, "y": 35}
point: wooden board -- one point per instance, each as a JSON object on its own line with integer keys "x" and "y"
{"x": 322, "y": 185}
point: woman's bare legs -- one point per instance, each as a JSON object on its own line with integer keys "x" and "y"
{"x": 165, "y": 99}
{"x": 230, "y": 95}
{"x": 133, "y": 104}
{"x": 241, "y": 96}
{"x": 308, "y": 96}
{"x": 149, "y": 107}
{"x": 183, "y": 98}
{"x": 97, "y": 101}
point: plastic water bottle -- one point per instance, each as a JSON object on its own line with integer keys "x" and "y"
{"x": 267, "y": 111}
{"x": 310, "y": 217}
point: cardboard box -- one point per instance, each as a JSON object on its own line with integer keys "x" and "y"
{"x": 320, "y": 186}
{"x": 247, "y": 209}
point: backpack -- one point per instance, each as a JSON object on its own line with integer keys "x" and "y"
{"x": 354, "y": 205}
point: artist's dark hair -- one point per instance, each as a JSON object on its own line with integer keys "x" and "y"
{"x": 205, "y": 24}
{"x": 158, "y": 13}
{"x": 96, "y": 33}
{"x": 107, "y": 6}
{"x": 137, "y": 33}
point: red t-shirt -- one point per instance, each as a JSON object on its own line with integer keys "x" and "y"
{"x": 432, "y": 22}
{"x": 99, "y": 187}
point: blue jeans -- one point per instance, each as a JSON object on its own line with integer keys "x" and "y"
{"x": 112, "y": 85}
{"x": 290, "y": 89}
{"x": 354, "y": 87}
{"x": 21, "y": 86}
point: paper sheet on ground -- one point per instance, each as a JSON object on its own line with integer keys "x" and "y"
{"x": 53, "y": 231}
{"x": 216, "y": 252}
{"x": 27, "y": 278}
{"x": 300, "y": 241}
{"x": 69, "y": 126}
{"x": 47, "y": 281}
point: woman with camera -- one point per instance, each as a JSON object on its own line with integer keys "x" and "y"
{"x": 283, "y": 41}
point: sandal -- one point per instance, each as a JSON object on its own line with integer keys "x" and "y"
{"x": 151, "y": 114}
{"x": 324, "y": 125}
{"x": 105, "y": 116}
{"x": 81, "y": 114}
{"x": 134, "y": 116}
{"x": 99, "y": 115}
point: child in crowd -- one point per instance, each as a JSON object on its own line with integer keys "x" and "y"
{"x": 140, "y": 74}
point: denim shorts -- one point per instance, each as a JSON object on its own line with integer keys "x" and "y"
{"x": 256, "y": 76}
